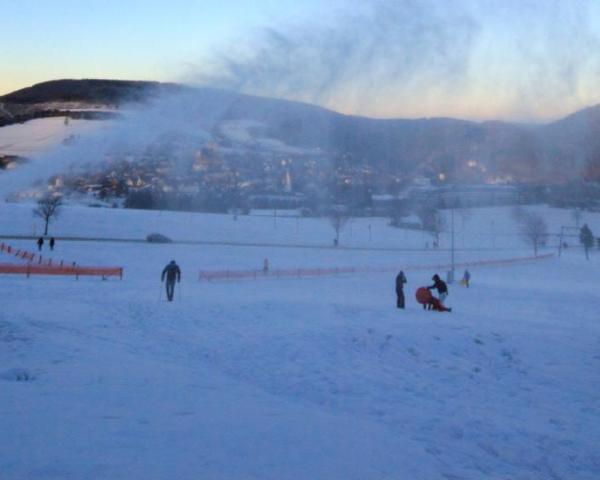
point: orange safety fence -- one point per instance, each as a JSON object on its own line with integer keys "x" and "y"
{"x": 33, "y": 269}
{"x": 36, "y": 265}
{"x": 210, "y": 275}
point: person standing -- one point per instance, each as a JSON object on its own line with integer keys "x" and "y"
{"x": 440, "y": 286}
{"x": 40, "y": 243}
{"x": 466, "y": 278}
{"x": 51, "y": 243}
{"x": 400, "y": 281}
{"x": 265, "y": 266}
{"x": 172, "y": 274}
{"x": 586, "y": 237}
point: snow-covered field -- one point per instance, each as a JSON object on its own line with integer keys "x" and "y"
{"x": 37, "y": 136}
{"x": 319, "y": 378}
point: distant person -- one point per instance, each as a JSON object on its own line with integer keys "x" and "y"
{"x": 586, "y": 237}
{"x": 266, "y": 265}
{"x": 440, "y": 286}
{"x": 466, "y": 278}
{"x": 400, "y": 281}
{"x": 40, "y": 243}
{"x": 51, "y": 243}
{"x": 172, "y": 273}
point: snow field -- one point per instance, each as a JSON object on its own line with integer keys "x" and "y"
{"x": 319, "y": 378}
{"x": 37, "y": 136}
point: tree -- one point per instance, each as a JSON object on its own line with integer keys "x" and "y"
{"x": 576, "y": 214}
{"x": 48, "y": 207}
{"x": 586, "y": 237}
{"x": 432, "y": 220}
{"x": 533, "y": 227}
{"x": 338, "y": 217}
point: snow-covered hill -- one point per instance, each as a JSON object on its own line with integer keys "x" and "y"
{"x": 318, "y": 378}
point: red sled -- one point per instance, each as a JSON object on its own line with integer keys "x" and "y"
{"x": 424, "y": 297}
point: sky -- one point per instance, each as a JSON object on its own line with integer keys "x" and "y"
{"x": 524, "y": 60}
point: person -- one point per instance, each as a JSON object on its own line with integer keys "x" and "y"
{"x": 172, "y": 273}
{"x": 586, "y": 237}
{"x": 40, "y": 243}
{"x": 440, "y": 286}
{"x": 51, "y": 243}
{"x": 429, "y": 302}
{"x": 438, "y": 306}
{"x": 266, "y": 266}
{"x": 466, "y": 278}
{"x": 400, "y": 281}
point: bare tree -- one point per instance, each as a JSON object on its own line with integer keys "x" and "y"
{"x": 533, "y": 228}
{"x": 577, "y": 214}
{"x": 338, "y": 217}
{"x": 48, "y": 207}
{"x": 432, "y": 220}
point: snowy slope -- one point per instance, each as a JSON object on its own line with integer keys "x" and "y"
{"x": 39, "y": 135}
{"x": 292, "y": 379}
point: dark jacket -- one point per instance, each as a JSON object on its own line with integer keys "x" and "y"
{"x": 439, "y": 285}
{"x": 172, "y": 272}
{"x": 400, "y": 281}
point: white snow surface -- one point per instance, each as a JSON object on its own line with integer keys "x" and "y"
{"x": 37, "y": 136}
{"x": 315, "y": 378}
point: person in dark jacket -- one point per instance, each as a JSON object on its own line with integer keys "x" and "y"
{"x": 586, "y": 237}
{"x": 400, "y": 281}
{"x": 172, "y": 273}
{"x": 40, "y": 243}
{"x": 440, "y": 286}
{"x": 51, "y": 243}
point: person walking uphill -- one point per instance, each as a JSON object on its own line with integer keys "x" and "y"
{"x": 40, "y": 243}
{"x": 400, "y": 281}
{"x": 440, "y": 286}
{"x": 172, "y": 273}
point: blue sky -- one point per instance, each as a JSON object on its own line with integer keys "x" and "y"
{"x": 480, "y": 59}
{"x": 149, "y": 39}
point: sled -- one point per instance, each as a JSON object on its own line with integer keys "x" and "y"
{"x": 423, "y": 295}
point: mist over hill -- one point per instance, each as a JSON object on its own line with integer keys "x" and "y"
{"x": 458, "y": 150}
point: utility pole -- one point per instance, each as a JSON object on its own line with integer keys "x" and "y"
{"x": 452, "y": 245}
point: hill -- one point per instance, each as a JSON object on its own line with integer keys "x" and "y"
{"x": 463, "y": 151}
{"x": 91, "y": 91}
